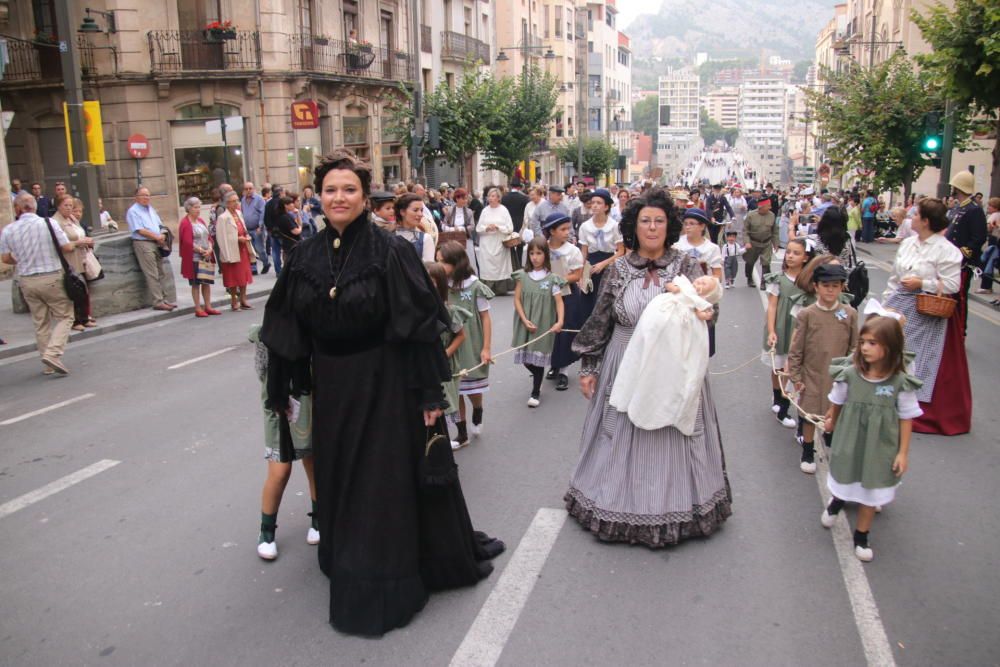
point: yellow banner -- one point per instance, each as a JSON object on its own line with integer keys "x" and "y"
{"x": 92, "y": 130}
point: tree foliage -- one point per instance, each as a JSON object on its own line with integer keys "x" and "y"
{"x": 599, "y": 155}
{"x": 965, "y": 60}
{"x": 874, "y": 119}
{"x": 525, "y": 107}
{"x": 712, "y": 131}
{"x": 646, "y": 116}
{"x": 505, "y": 118}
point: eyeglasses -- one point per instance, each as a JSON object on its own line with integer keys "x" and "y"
{"x": 653, "y": 222}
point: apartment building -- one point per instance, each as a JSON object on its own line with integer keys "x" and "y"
{"x": 762, "y": 122}
{"x": 609, "y": 81}
{"x": 723, "y": 106}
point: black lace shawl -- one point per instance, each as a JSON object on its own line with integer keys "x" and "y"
{"x": 597, "y": 330}
{"x": 384, "y": 296}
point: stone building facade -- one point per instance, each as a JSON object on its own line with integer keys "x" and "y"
{"x": 164, "y": 74}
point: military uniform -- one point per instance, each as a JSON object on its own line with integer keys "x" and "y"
{"x": 762, "y": 233}
{"x": 967, "y": 232}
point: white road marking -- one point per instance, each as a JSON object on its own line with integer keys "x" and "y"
{"x": 42, "y": 411}
{"x": 874, "y": 641}
{"x": 201, "y": 358}
{"x": 490, "y": 630}
{"x": 51, "y": 488}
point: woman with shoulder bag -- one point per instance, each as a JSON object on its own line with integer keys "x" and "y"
{"x": 76, "y": 257}
{"x": 196, "y": 252}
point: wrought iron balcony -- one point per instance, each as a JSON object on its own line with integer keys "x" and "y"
{"x": 321, "y": 55}
{"x": 176, "y": 52}
{"x": 461, "y": 48}
{"x": 31, "y": 63}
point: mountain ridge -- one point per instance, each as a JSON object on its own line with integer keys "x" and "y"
{"x": 733, "y": 29}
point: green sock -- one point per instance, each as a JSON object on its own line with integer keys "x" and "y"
{"x": 315, "y": 521}
{"x": 268, "y": 524}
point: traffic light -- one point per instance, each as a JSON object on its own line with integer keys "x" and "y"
{"x": 931, "y": 143}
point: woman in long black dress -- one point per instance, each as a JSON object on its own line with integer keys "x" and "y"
{"x": 354, "y": 319}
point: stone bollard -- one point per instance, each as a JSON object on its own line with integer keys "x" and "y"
{"x": 123, "y": 287}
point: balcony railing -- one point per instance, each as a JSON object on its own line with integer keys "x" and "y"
{"x": 426, "y": 45}
{"x": 322, "y": 55}
{"x": 461, "y": 48}
{"x": 31, "y": 62}
{"x": 174, "y": 52}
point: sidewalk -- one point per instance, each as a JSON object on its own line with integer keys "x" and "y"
{"x": 886, "y": 253}
{"x": 19, "y": 332}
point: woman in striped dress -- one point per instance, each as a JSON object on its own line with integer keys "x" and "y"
{"x": 652, "y": 487}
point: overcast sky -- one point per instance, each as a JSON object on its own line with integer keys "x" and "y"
{"x": 629, "y": 9}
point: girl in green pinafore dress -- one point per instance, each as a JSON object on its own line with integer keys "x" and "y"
{"x": 539, "y": 307}
{"x": 468, "y": 292}
{"x": 872, "y": 404}
{"x": 451, "y": 339}
{"x": 781, "y": 292}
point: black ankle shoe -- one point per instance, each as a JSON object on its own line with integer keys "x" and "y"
{"x": 563, "y": 383}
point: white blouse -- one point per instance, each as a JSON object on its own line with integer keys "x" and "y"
{"x": 931, "y": 260}
{"x": 707, "y": 252}
{"x": 600, "y": 239}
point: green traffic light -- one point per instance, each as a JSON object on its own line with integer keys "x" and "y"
{"x": 931, "y": 143}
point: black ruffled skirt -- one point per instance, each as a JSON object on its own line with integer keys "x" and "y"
{"x": 386, "y": 539}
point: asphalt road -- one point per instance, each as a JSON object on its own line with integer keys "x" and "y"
{"x": 153, "y": 562}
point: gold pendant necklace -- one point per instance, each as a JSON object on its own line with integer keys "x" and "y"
{"x": 336, "y": 245}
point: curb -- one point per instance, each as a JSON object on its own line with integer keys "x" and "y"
{"x": 8, "y": 351}
{"x": 978, "y": 298}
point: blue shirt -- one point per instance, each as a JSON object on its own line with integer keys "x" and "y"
{"x": 142, "y": 217}
{"x": 253, "y": 211}
{"x": 866, "y": 205}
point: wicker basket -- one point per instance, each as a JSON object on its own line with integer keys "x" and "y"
{"x": 935, "y": 305}
{"x": 512, "y": 241}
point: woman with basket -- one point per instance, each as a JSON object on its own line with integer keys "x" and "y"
{"x": 925, "y": 277}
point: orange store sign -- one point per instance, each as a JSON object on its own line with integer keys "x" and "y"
{"x": 305, "y": 115}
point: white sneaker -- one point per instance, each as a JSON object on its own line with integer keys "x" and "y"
{"x": 808, "y": 468}
{"x": 533, "y": 402}
{"x": 267, "y": 550}
{"x": 475, "y": 429}
{"x": 827, "y": 519}
{"x": 455, "y": 445}
{"x": 878, "y": 509}
{"x": 788, "y": 422}
{"x": 864, "y": 554}
{"x": 312, "y": 537}
{"x": 775, "y": 409}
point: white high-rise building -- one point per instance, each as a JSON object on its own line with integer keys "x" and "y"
{"x": 762, "y": 123}
{"x": 679, "y": 138}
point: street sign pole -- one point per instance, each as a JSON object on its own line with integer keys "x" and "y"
{"x": 138, "y": 171}
{"x": 225, "y": 146}
{"x": 947, "y": 144}
{"x": 83, "y": 174}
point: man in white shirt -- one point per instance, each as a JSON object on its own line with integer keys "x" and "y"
{"x": 27, "y": 244}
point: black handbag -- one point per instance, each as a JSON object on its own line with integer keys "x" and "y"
{"x": 437, "y": 465}
{"x": 857, "y": 280}
{"x": 73, "y": 282}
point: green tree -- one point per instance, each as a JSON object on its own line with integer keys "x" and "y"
{"x": 646, "y": 116}
{"x": 523, "y": 110}
{"x": 800, "y": 71}
{"x": 599, "y": 155}
{"x": 873, "y": 119}
{"x": 966, "y": 60}
{"x": 711, "y": 131}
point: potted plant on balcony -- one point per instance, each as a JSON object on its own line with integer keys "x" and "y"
{"x": 402, "y": 55}
{"x": 218, "y": 31}
{"x": 45, "y": 37}
{"x": 360, "y": 54}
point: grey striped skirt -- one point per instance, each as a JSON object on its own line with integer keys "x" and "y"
{"x": 647, "y": 487}
{"x": 924, "y": 337}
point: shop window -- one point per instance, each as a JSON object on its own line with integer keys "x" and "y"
{"x": 355, "y": 131}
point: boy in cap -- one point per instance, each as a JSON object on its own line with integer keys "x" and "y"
{"x": 383, "y": 211}
{"x": 731, "y": 252}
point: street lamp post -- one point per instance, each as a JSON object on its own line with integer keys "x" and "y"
{"x": 82, "y": 174}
